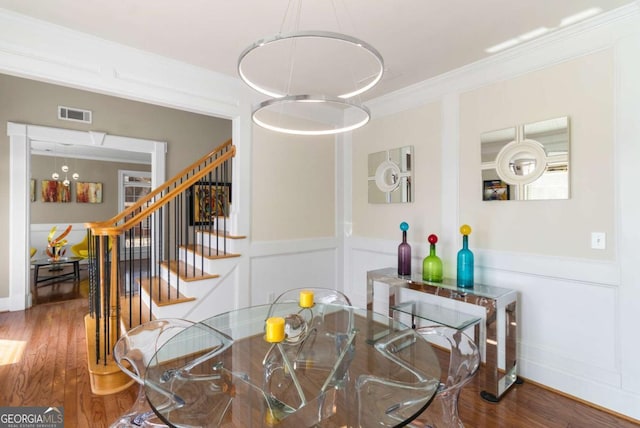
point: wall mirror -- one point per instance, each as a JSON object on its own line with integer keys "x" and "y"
{"x": 526, "y": 162}
{"x": 390, "y": 176}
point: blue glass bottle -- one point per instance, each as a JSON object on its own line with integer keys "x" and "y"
{"x": 404, "y": 252}
{"x": 465, "y": 260}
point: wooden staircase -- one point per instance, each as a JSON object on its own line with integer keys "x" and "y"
{"x": 198, "y": 272}
{"x": 188, "y": 271}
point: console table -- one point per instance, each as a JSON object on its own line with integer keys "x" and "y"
{"x": 500, "y": 324}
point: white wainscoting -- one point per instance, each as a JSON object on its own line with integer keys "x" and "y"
{"x": 567, "y": 315}
{"x": 277, "y": 266}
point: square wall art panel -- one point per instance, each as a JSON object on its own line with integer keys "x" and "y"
{"x": 55, "y": 191}
{"x": 89, "y": 193}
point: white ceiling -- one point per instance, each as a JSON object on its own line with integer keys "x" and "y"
{"x": 418, "y": 39}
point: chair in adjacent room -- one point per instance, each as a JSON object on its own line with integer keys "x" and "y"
{"x": 81, "y": 249}
{"x": 132, "y": 353}
{"x": 464, "y": 361}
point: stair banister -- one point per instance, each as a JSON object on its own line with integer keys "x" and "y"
{"x": 105, "y": 261}
{"x": 173, "y": 193}
{"x": 165, "y": 185}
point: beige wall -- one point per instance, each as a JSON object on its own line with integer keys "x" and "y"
{"x": 293, "y": 186}
{"x": 188, "y": 135}
{"x": 420, "y": 128}
{"x": 90, "y": 171}
{"x": 581, "y": 89}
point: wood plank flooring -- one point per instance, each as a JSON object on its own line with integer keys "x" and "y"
{"x": 52, "y": 370}
{"x": 43, "y": 363}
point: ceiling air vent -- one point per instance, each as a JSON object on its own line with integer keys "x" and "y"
{"x": 74, "y": 114}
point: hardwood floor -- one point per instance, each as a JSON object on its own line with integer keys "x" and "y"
{"x": 50, "y": 367}
{"x": 60, "y": 290}
{"x": 43, "y": 363}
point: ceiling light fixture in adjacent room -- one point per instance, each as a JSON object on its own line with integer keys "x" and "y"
{"x": 64, "y": 168}
{"x": 314, "y": 79}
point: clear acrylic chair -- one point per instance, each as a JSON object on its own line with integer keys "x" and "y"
{"x": 464, "y": 362}
{"x": 132, "y": 352}
{"x": 309, "y": 323}
{"x": 327, "y": 296}
{"x": 319, "y": 340}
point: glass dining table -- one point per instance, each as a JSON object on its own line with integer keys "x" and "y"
{"x": 291, "y": 366}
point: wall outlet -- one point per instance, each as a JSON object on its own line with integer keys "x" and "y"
{"x": 598, "y": 240}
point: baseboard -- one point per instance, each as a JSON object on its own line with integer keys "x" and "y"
{"x": 5, "y": 304}
{"x": 580, "y": 400}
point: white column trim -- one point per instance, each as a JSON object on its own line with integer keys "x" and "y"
{"x": 627, "y": 156}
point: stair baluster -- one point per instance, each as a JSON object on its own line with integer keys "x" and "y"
{"x": 151, "y": 247}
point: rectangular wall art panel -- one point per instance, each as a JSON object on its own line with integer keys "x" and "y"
{"x": 55, "y": 191}
{"x": 90, "y": 193}
{"x": 207, "y": 201}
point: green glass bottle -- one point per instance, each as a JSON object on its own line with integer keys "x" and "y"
{"x": 432, "y": 265}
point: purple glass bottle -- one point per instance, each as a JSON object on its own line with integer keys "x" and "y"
{"x": 404, "y": 252}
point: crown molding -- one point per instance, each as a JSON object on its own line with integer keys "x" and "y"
{"x": 39, "y": 50}
{"x": 592, "y": 35}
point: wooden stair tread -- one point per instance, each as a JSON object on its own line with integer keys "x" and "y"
{"x": 158, "y": 288}
{"x": 187, "y": 272}
{"x": 131, "y": 306}
{"x": 221, "y": 234}
{"x": 220, "y": 254}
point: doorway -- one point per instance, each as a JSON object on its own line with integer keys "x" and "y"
{"x": 21, "y": 137}
{"x": 133, "y": 186}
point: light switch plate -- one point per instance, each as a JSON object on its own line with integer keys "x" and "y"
{"x": 598, "y": 240}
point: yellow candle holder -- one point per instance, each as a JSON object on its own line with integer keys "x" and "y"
{"x": 306, "y": 299}
{"x": 274, "y": 330}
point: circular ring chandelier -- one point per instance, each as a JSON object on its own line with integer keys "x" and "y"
{"x": 300, "y": 53}
{"x": 290, "y": 67}
{"x": 298, "y": 115}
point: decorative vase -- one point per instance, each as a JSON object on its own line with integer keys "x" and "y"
{"x": 404, "y": 252}
{"x": 55, "y": 247}
{"x": 432, "y": 265}
{"x": 56, "y": 254}
{"x": 465, "y": 260}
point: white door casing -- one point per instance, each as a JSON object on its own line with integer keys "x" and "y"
{"x": 20, "y": 138}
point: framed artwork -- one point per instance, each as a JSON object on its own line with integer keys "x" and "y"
{"x": 495, "y": 190}
{"x": 207, "y": 201}
{"x": 88, "y": 193}
{"x": 32, "y": 190}
{"x": 55, "y": 191}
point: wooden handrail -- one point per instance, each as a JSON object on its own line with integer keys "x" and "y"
{"x": 173, "y": 193}
{"x": 117, "y": 283}
{"x": 112, "y": 221}
{"x": 109, "y": 228}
